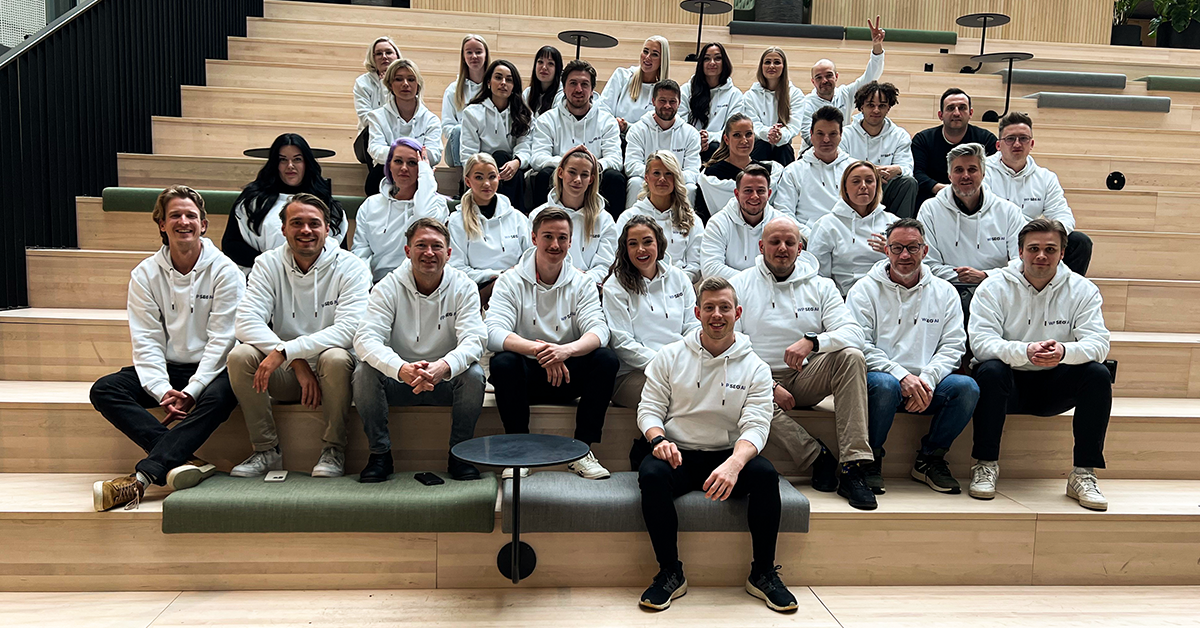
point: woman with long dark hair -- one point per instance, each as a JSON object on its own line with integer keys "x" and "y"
{"x": 497, "y": 123}
{"x": 709, "y": 98}
{"x": 545, "y": 84}
{"x": 255, "y": 226}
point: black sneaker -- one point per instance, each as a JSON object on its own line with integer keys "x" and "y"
{"x": 873, "y": 472}
{"x": 379, "y": 467}
{"x": 668, "y": 585}
{"x": 852, "y": 485}
{"x": 824, "y": 470}
{"x": 460, "y": 470}
{"x": 767, "y": 587}
{"x": 934, "y": 471}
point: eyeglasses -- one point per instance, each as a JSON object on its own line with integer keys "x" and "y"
{"x": 1013, "y": 139}
{"x": 913, "y": 249}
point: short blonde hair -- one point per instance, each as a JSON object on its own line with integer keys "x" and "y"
{"x": 404, "y": 64}
{"x": 369, "y": 64}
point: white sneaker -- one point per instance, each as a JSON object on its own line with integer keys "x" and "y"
{"x": 1082, "y": 488}
{"x": 984, "y": 475}
{"x": 590, "y": 468}
{"x": 189, "y": 474}
{"x": 258, "y": 464}
{"x": 331, "y": 464}
{"x": 507, "y": 473}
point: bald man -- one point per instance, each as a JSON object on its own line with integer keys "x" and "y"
{"x": 826, "y": 91}
{"x": 814, "y": 352}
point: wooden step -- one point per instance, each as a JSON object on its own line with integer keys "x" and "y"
{"x": 1144, "y": 255}
{"x": 1149, "y": 305}
{"x": 139, "y": 170}
{"x": 1135, "y": 210}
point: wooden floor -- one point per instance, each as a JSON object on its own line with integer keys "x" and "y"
{"x": 727, "y": 607}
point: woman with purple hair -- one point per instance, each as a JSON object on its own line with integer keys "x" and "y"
{"x": 408, "y": 192}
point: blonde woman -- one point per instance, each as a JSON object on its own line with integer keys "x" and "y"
{"x": 369, "y": 91}
{"x": 404, "y": 115}
{"x": 487, "y": 236}
{"x": 775, "y": 106}
{"x": 473, "y": 60}
{"x": 850, "y": 239}
{"x": 593, "y": 231}
{"x": 663, "y": 199}
{"x": 627, "y": 95}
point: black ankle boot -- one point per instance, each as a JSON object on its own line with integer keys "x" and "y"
{"x": 379, "y": 467}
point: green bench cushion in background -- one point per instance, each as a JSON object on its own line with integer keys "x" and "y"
{"x": 305, "y": 504}
{"x": 215, "y": 201}
{"x": 776, "y": 29}
{"x": 862, "y": 33}
{"x": 1171, "y": 83}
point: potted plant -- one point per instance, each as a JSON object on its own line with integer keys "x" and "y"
{"x": 1124, "y": 34}
{"x": 1180, "y": 17}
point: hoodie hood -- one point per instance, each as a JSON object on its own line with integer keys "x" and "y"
{"x": 841, "y": 242}
{"x": 382, "y": 221}
{"x": 985, "y": 240}
{"x": 810, "y": 187}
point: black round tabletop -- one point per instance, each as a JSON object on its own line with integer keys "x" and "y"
{"x": 983, "y": 20}
{"x": 263, "y": 153}
{"x": 520, "y": 450}
{"x": 708, "y": 7}
{"x": 587, "y": 39}
{"x": 999, "y": 57}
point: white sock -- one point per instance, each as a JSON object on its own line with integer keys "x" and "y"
{"x": 144, "y": 479}
{"x": 1085, "y": 470}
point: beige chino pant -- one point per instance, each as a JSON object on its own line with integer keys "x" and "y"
{"x": 842, "y": 373}
{"x": 627, "y": 393}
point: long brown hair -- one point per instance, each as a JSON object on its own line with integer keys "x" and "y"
{"x": 593, "y": 203}
{"x": 722, "y": 152}
{"x": 682, "y": 216}
{"x": 622, "y": 267}
{"x": 783, "y": 103}
{"x": 464, "y": 73}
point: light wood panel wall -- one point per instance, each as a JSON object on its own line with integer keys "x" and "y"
{"x": 662, "y": 11}
{"x": 1067, "y": 21}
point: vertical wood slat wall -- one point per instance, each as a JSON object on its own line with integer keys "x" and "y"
{"x": 593, "y": 12}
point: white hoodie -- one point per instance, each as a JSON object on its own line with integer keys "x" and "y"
{"x": 369, "y": 94}
{"x": 387, "y": 126}
{"x": 1007, "y": 314}
{"x": 641, "y": 324}
{"x": 505, "y": 237}
{"x": 892, "y": 147}
{"x": 718, "y": 192}
{"x": 486, "y": 129}
{"x": 451, "y": 115}
{"x": 1034, "y": 189}
{"x": 909, "y": 331}
{"x": 382, "y": 220}
{"x": 558, "y": 131}
{"x": 615, "y": 97}
{"x": 759, "y": 104}
{"x": 730, "y": 244}
{"x": 559, "y": 314}
{"x": 645, "y": 137}
{"x": 683, "y": 249}
{"x": 843, "y": 95}
{"x": 401, "y": 325}
{"x": 591, "y": 255}
{"x": 270, "y": 232}
{"x": 810, "y": 187}
{"x": 840, "y": 242}
{"x": 558, "y": 98}
{"x": 182, "y": 319}
{"x": 985, "y": 240}
{"x": 705, "y": 402}
{"x": 307, "y": 312}
{"x": 812, "y": 300}
{"x": 724, "y": 101}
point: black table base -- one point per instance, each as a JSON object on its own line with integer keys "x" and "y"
{"x": 516, "y": 567}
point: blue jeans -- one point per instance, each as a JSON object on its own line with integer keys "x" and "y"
{"x": 374, "y": 392}
{"x": 953, "y": 403}
{"x": 453, "y": 147}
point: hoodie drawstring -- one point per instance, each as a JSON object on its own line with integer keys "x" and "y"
{"x": 724, "y": 378}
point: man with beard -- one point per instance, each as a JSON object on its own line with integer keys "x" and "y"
{"x": 929, "y": 147}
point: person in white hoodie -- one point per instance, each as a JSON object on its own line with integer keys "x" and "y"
{"x": 289, "y": 354}
{"x": 404, "y": 115}
{"x": 664, "y": 200}
{"x": 826, "y": 91}
{"x": 369, "y": 91}
{"x": 576, "y": 122}
{"x": 662, "y": 130}
{"x": 710, "y": 97}
{"x": 849, "y": 240}
{"x": 775, "y": 106}
{"x": 498, "y": 123}
{"x": 420, "y": 342}
{"x": 627, "y": 93}
{"x": 547, "y": 328}
{"x": 473, "y": 60}
{"x": 873, "y": 137}
{"x": 577, "y": 192}
{"x": 545, "y": 90}
{"x": 731, "y": 236}
{"x": 1038, "y": 334}
{"x": 487, "y": 234}
{"x": 648, "y": 304}
{"x": 181, "y": 307}
{"x": 732, "y": 156}
{"x": 705, "y": 417}
{"x": 1013, "y": 174}
{"x": 811, "y": 185}
{"x": 915, "y": 339}
{"x": 407, "y": 192}
{"x": 813, "y": 353}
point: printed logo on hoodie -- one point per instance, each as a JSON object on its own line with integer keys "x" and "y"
{"x": 329, "y": 303}
{"x": 735, "y": 386}
{"x": 207, "y": 297}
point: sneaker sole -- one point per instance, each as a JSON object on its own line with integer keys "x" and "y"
{"x": 590, "y": 477}
{"x": 98, "y": 496}
{"x": 678, "y": 593}
{"x": 762, "y": 596}
{"x": 187, "y": 476}
{"x": 327, "y": 474}
{"x": 981, "y": 495}
{"x": 917, "y": 476}
{"x": 860, "y": 505}
{"x": 1089, "y": 505}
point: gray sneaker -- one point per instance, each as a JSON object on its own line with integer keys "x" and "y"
{"x": 258, "y": 464}
{"x": 331, "y": 464}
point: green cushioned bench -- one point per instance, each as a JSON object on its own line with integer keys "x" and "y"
{"x": 916, "y": 36}
{"x": 305, "y": 504}
{"x": 215, "y": 201}
{"x": 1171, "y": 83}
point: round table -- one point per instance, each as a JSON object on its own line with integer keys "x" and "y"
{"x": 516, "y": 559}
{"x": 587, "y": 39}
{"x": 981, "y": 20}
{"x": 711, "y": 7}
{"x": 265, "y": 153}
{"x": 1001, "y": 57}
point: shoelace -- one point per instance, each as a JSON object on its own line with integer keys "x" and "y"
{"x": 1087, "y": 483}
{"x": 135, "y": 499}
{"x": 770, "y": 579}
{"x": 330, "y": 456}
{"x": 985, "y": 473}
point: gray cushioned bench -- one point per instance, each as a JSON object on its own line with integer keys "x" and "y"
{"x": 1108, "y": 102}
{"x": 1067, "y": 79}
{"x": 554, "y": 501}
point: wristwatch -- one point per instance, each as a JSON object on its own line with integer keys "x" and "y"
{"x": 811, "y": 337}
{"x": 657, "y": 439}
{"x": 282, "y": 349}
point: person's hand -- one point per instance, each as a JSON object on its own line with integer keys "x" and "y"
{"x": 917, "y": 394}
{"x": 176, "y": 404}
{"x": 887, "y": 173}
{"x": 557, "y": 374}
{"x": 262, "y": 377}
{"x": 877, "y": 34}
{"x": 966, "y": 274}
{"x": 624, "y": 126}
{"x": 669, "y": 453}
{"x": 310, "y": 388}
{"x": 434, "y": 374}
{"x": 783, "y": 398}
{"x": 795, "y": 354}
{"x": 775, "y": 133}
{"x": 422, "y": 154}
{"x": 721, "y": 481}
{"x": 877, "y": 242}
{"x": 1048, "y": 353}
{"x": 410, "y": 374}
{"x": 509, "y": 169}
{"x": 551, "y": 354}
{"x": 703, "y": 140}
{"x": 937, "y": 187}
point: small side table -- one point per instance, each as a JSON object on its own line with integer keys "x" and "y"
{"x": 1001, "y": 57}
{"x": 981, "y": 20}
{"x": 587, "y": 39}
{"x": 516, "y": 559}
{"x": 711, "y": 7}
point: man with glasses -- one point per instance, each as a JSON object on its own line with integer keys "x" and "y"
{"x": 1013, "y": 175}
{"x": 929, "y": 147}
{"x": 913, "y": 325}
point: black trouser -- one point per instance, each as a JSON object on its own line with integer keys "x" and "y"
{"x": 374, "y": 176}
{"x": 706, "y": 153}
{"x": 764, "y": 151}
{"x": 661, "y": 485}
{"x": 514, "y": 188}
{"x": 900, "y": 196}
{"x": 612, "y": 188}
{"x": 520, "y": 381}
{"x": 1078, "y": 255}
{"x": 122, "y": 400}
{"x": 1002, "y": 390}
